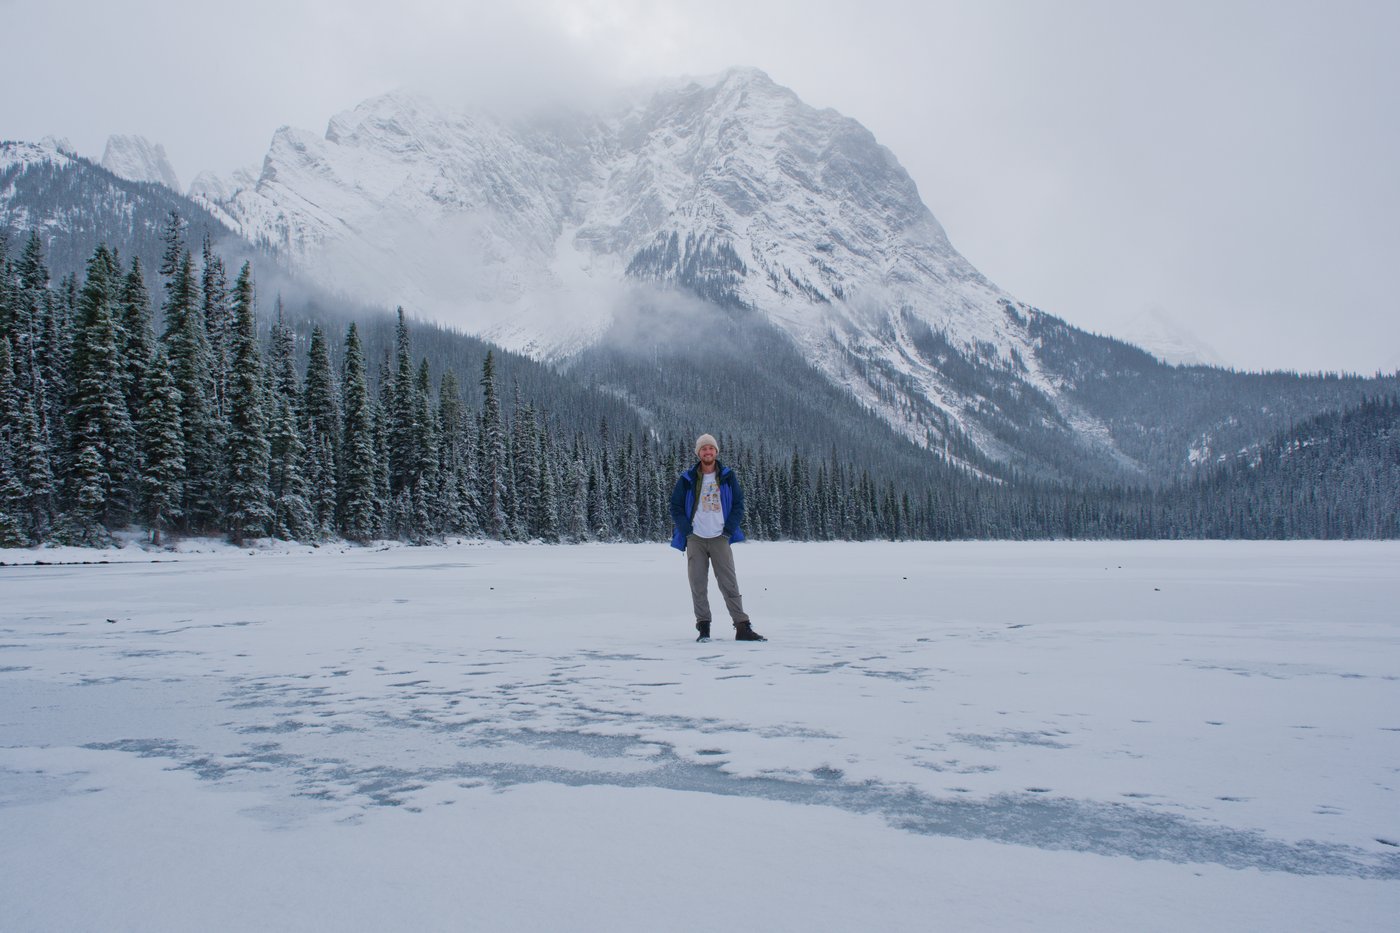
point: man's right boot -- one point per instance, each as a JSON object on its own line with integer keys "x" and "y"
{"x": 704, "y": 629}
{"x": 743, "y": 631}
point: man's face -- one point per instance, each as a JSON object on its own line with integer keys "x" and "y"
{"x": 708, "y": 454}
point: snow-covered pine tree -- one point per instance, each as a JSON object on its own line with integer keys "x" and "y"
{"x": 40, "y": 350}
{"x": 137, "y": 337}
{"x": 401, "y": 405}
{"x": 28, "y": 495}
{"x": 577, "y": 523}
{"x": 545, "y": 508}
{"x": 249, "y": 510}
{"x": 447, "y": 494}
{"x": 292, "y": 515}
{"x": 322, "y": 431}
{"x": 162, "y": 449}
{"x": 358, "y": 520}
{"x": 627, "y": 490}
{"x": 492, "y": 443}
{"x": 7, "y": 287}
{"x": 426, "y": 510}
{"x": 219, "y": 323}
{"x": 386, "y": 513}
{"x": 12, "y": 493}
{"x": 34, "y": 465}
{"x": 603, "y": 507}
{"x": 56, "y": 313}
{"x": 600, "y": 520}
{"x": 172, "y": 235}
{"x": 800, "y": 514}
{"x": 102, "y": 460}
{"x": 186, "y": 343}
{"x": 525, "y": 458}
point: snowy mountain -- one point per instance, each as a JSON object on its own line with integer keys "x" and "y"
{"x": 74, "y": 205}
{"x": 18, "y": 155}
{"x": 536, "y": 233}
{"x": 712, "y": 255}
{"x": 136, "y": 158}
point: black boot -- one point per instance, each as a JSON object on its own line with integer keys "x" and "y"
{"x": 704, "y": 629}
{"x": 743, "y": 631}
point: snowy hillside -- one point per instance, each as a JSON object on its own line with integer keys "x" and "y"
{"x": 534, "y": 233}
{"x": 16, "y": 159}
{"x": 980, "y": 736}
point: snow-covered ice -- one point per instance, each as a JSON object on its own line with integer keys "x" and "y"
{"x": 1077, "y": 736}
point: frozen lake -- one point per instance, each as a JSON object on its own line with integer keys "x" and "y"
{"x": 1077, "y": 736}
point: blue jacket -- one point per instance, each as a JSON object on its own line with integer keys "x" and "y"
{"x": 683, "y": 504}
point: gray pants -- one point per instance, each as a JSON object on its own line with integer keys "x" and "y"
{"x": 699, "y": 554}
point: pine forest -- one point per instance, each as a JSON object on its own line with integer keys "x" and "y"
{"x": 175, "y": 402}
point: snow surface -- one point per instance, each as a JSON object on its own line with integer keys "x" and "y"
{"x": 1076, "y": 736}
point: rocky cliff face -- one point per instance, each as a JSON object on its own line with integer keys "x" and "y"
{"x": 136, "y": 158}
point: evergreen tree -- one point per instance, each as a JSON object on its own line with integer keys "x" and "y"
{"x": 391, "y": 514}
{"x": 219, "y": 324}
{"x": 577, "y": 525}
{"x": 401, "y": 404}
{"x": 545, "y": 511}
{"x": 492, "y": 444}
{"x": 249, "y": 511}
{"x": 424, "y": 480}
{"x": 12, "y": 492}
{"x": 162, "y": 449}
{"x": 186, "y": 342}
{"x": 448, "y": 515}
{"x": 102, "y": 471}
{"x": 292, "y": 516}
{"x": 39, "y": 351}
{"x": 599, "y": 515}
{"x": 627, "y": 492}
{"x": 357, "y": 487}
{"x": 525, "y": 459}
{"x": 137, "y": 338}
{"x": 172, "y": 235}
{"x": 322, "y": 429}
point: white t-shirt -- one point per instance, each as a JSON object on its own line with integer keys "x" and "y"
{"x": 709, "y": 518}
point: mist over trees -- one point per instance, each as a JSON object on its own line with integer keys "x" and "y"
{"x": 220, "y": 415}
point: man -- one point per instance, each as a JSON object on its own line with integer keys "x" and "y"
{"x": 707, "y": 506}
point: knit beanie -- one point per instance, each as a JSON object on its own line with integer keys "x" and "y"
{"x": 704, "y": 439}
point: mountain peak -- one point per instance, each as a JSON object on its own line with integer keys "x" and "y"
{"x": 745, "y": 76}
{"x": 136, "y": 158}
{"x": 1168, "y": 339}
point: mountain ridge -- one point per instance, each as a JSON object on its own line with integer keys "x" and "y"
{"x": 606, "y": 244}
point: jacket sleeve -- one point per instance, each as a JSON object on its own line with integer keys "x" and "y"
{"x": 736, "y": 507}
{"x": 678, "y": 516}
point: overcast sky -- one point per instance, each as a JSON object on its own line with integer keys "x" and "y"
{"x": 1232, "y": 165}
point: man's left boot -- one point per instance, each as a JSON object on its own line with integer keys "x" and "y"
{"x": 743, "y": 631}
{"x": 704, "y": 629}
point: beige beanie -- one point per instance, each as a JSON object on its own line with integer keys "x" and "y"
{"x": 704, "y": 439}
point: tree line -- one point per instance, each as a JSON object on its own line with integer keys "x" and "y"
{"x": 195, "y": 421}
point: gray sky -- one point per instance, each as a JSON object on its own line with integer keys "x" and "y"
{"x": 1231, "y": 163}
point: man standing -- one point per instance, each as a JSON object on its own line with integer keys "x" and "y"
{"x": 707, "y": 506}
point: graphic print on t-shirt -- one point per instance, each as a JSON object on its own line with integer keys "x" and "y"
{"x": 709, "y": 496}
{"x": 709, "y": 519}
